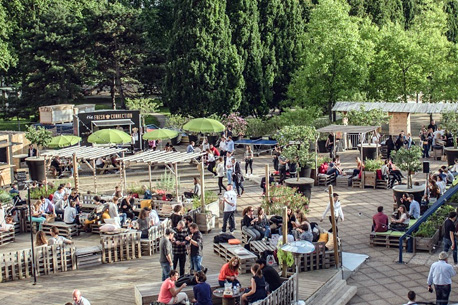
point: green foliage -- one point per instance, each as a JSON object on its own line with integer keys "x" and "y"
{"x": 429, "y": 227}
{"x": 135, "y": 188}
{"x": 146, "y": 106}
{"x": 238, "y": 124}
{"x": 256, "y": 127}
{"x": 298, "y": 116}
{"x": 450, "y": 123}
{"x": 284, "y": 256}
{"x": 5, "y": 197}
{"x": 373, "y": 165}
{"x": 37, "y": 192}
{"x": 408, "y": 160}
{"x": 166, "y": 182}
{"x": 204, "y": 72}
{"x": 300, "y": 138}
{"x": 176, "y": 121}
{"x": 281, "y": 196}
{"x": 38, "y": 135}
{"x": 210, "y": 197}
{"x": 363, "y": 117}
{"x": 6, "y": 59}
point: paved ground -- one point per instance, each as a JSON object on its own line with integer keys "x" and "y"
{"x": 380, "y": 280}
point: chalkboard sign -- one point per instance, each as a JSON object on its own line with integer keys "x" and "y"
{"x": 21, "y": 178}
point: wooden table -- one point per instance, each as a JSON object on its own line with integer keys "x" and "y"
{"x": 258, "y": 247}
{"x": 226, "y": 251}
{"x": 229, "y": 300}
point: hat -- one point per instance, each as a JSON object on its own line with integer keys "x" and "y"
{"x": 169, "y": 231}
{"x": 443, "y": 255}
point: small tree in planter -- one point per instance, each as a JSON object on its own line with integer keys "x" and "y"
{"x": 38, "y": 136}
{"x": 281, "y": 196}
{"x": 370, "y": 171}
{"x": 450, "y": 122}
{"x": 238, "y": 124}
{"x": 408, "y": 160}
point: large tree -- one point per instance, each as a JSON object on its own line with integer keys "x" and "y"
{"x": 204, "y": 73}
{"x": 335, "y": 58}
{"x": 6, "y": 58}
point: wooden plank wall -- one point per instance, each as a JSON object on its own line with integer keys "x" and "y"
{"x": 284, "y": 295}
{"x": 121, "y": 247}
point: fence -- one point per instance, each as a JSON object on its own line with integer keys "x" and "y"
{"x": 121, "y": 247}
{"x": 284, "y": 295}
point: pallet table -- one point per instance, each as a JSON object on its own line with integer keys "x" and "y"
{"x": 258, "y": 247}
{"x": 226, "y": 251}
{"x": 88, "y": 257}
{"x": 6, "y": 237}
{"x": 65, "y": 230}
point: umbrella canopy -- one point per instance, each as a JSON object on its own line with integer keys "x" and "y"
{"x": 204, "y": 125}
{"x": 109, "y": 136}
{"x": 160, "y": 134}
{"x": 64, "y": 141}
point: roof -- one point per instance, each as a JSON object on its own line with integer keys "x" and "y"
{"x": 83, "y": 152}
{"x": 398, "y": 107}
{"x": 348, "y": 129}
{"x": 161, "y": 156}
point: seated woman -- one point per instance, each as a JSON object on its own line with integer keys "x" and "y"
{"x": 148, "y": 194}
{"x": 263, "y": 224}
{"x": 144, "y": 222}
{"x": 176, "y": 215}
{"x": 70, "y": 214}
{"x": 359, "y": 168}
{"x": 202, "y": 291}
{"x": 126, "y": 206}
{"x": 195, "y": 191}
{"x": 434, "y": 191}
{"x": 37, "y": 215}
{"x": 402, "y": 219}
{"x": 169, "y": 294}
{"x": 41, "y": 239}
{"x": 334, "y": 167}
{"x": 258, "y": 286}
{"x": 3, "y": 225}
{"x": 248, "y": 222}
{"x": 229, "y": 272}
{"x": 74, "y": 196}
{"x": 395, "y": 174}
{"x": 304, "y": 232}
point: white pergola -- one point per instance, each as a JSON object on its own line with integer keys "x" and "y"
{"x": 168, "y": 159}
{"x": 86, "y": 154}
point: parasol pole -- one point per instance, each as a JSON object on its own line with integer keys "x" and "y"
{"x": 176, "y": 182}
{"x": 267, "y": 183}
{"x": 149, "y": 176}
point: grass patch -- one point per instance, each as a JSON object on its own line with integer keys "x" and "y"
{"x": 14, "y": 125}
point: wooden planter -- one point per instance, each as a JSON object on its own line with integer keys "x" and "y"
{"x": 205, "y": 221}
{"x": 370, "y": 179}
{"x": 426, "y": 243}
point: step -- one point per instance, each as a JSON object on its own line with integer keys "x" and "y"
{"x": 340, "y": 294}
{"x": 324, "y": 290}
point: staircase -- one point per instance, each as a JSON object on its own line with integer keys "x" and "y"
{"x": 335, "y": 291}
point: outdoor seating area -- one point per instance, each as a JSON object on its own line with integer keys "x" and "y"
{"x": 121, "y": 246}
{"x": 389, "y": 239}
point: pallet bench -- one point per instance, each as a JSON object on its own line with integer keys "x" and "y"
{"x": 7, "y": 237}
{"x": 88, "y": 257}
{"x": 65, "y": 230}
{"x": 258, "y": 247}
{"x": 325, "y": 179}
{"x": 226, "y": 251}
{"x": 318, "y": 259}
{"x": 342, "y": 181}
{"x": 151, "y": 245}
{"x": 147, "y": 293}
{"x": 121, "y": 247}
{"x": 389, "y": 239}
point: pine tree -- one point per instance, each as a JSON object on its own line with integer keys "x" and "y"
{"x": 204, "y": 71}
{"x": 244, "y": 17}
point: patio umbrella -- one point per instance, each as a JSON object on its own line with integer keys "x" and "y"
{"x": 204, "y": 125}
{"x": 63, "y": 141}
{"x": 109, "y": 136}
{"x": 160, "y": 134}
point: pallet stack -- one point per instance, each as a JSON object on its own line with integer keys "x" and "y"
{"x": 325, "y": 179}
{"x": 151, "y": 245}
{"x": 6, "y": 237}
{"x": 226, "y": 251}
{"x": 88, "y": 257}
{"x": 65, "y": 230}
{"x": 121, "y": 247}
{"x": 342, "y": 181}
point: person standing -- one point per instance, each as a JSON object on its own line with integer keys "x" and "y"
{"x": 230, "y": 146}
{"x": 338, "y": 213}
{"x": 449, "y": 235}
{"x": 282, "y": 161}
{"x": 237, "y": 176}
{"x": 165, "y": 249}
{"x": 190, "y": 148}
{"x": 179, "y": 247}
{"x": 248, "y": 160}
{"x": 222, "y": 147}
{"x": 229, "y": 167}
{"x": 230, "y": 206}
{"x": 220, "y": 174}
{"x": 330, "y": 145}
{"x": 196, "y": 243}
{"x": 440, "y": 275}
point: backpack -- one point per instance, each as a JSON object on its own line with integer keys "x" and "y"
{"x": 222, "y": 238}
{"x": 323, "y": 169}
{"x": 187, "y": 279}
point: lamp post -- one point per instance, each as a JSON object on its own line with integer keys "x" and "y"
{"x": 31, "y": 233}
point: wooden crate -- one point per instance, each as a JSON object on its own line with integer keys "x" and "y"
{"x": 426, "y": 244}
{"x": 121, "y": 247}
{"x": 324, "y": 179}
{"x": 65, "y": 230}
{"x": 342, "y": 181}
{"x": 6, "y": 237}
{"x": 226, "y": 251}
{"x": 88, "y": 257}
{"x": 356, "y": 182}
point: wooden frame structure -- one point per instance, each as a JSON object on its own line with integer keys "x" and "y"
{"x": 86, "y": 154}
{"x": 169, "y": 159}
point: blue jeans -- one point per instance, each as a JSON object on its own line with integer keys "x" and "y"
{"x": 122, "y": 218}
{"x": 165, "y": 270}
{"x": 229, "y": 176}
{"x": 447, "y": 246}
{"x": 40, "y": 221}
{"x": 196, "y": 262}
{"x": 267, "y": 232}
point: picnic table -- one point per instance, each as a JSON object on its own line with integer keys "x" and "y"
{"x": 226, "y": 251}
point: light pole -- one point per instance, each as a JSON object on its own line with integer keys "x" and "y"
{"x": 34, "y": 269}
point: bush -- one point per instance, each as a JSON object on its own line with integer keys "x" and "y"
{"x": 37, "y": 192}
{"x": 435, "y": 221}
{"x": 256, "y": 127}
{"x": 5, "y": 197}
{"x": 281, "y": 196}
{"x": 373, "y": 165}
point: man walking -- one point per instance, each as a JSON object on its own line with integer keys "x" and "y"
{"x": 440, "y": 275}
{"x": 449, "y": 235}
{"x": 179, "y": 246}
{"x": 165, "y": 249}
{"x": 230, "y": 205}
{"x": 196, "y": 243}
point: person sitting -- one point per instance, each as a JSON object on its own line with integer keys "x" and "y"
{"x": 401, "y": 219}
{"x": 359, "y": 168}
{"x": 100, "y": 162}
{"x": 263, "y": 183}
{"x": 196, "y": 192}
{"x": 290, "y": 221}
{"x": 176, "y": 215}
{"x": 148, "y": 194}
{"x": 74, "y": 196}
{"x": 58, "y": 194}
{"x": 441, "y": 184}
{"x": 414, "y": 209}
{"x": 202, "y": 291}
{"x": 448, "y": 175}
{"x": 334, "y": 167}
{"x": 248, "y": 222}
{"x": 4, "y": 226}
{"x": 379, "y": 221}
{"x": 79, "y": 299}
{"x": 258, "y": 287}
{"x": 14, "y": 191}
{"x": 229, "y": 272}
{"x": 59, "y": 207}
{"x": 304, "y": 232}
{"x": 37, "y": 215}
{"x": 56, "y": 167}
{"x": 154, "y": 218}
{"x": 411, "y": 296}
{"x": 40, "y": 239}
{"x": 70, "y": 214}
{"x": 454, "y": 168}
{"x": 56, "y": 239}
{"x": 144, "y": 222}
{"x": 169, "y": 294}
{"x": 262, "y": 223}
{"x": 270, "y": 275}
{"x": 113, "y": 211}
{"x": 126, "y": 206}
{"x": 434, "y": 191}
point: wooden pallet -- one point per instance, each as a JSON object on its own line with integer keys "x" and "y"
{"x": 318, "y": 259}
{"x": 324, "y": 179}
{"x": 34, "y": 227}
{"x": 121, "y": 247}
{"x": 387, "y": 239}
{"x": 151, "y": 245}
{"x": 342, "y": 181}
{"x": 258, "y": 247}
{"x": 381, "y": 184}
{"x": 356, "y": 182}
{"x": 65, "y": 230}
{"x": 88, "y": 257}
{"x": 95, "y": 228}
{"x": 7, "y": 237}
{"x": 226, "y": 251}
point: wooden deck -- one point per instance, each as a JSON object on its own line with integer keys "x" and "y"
{"x": 311, "y": 281}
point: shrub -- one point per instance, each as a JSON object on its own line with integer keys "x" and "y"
{"x": 281, "y": 196}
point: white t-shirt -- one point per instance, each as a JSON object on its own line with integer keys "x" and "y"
{"x": 228, "y": 164}
{"x": 69, "y": 214}
{"x": 154, "y": 217}
{"x": 222, "y": 145}
{"x": 58, "y": 240}
{"x": 230, "y": 196}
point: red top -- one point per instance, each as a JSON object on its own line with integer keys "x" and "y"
{"x": 380, "y": 222}
{"x": 165, "y": 295}
{"x": 215, "y": 151}
{"x": 226, "y": 271}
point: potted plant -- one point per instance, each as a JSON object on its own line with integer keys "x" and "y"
{"x": 40, "y": 137}
{"x": 281, "y": 196}
{"x": 370, "y": 171}
{"x": 450, "y": 123}
{"x": 429, "y": 232}
{"x": 408, "y": 160}
{"x": 176, "y": 122}
{"x": 206, "y": 218}
{"x": 255, "y": 128}
{"x": 238, "y": 124}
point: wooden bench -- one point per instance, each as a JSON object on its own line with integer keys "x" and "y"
{"x": 389, "y": 239}
{"x": 88, "y": 257}
{"x": 17, "y": 265}
{"x": 258, "y": 247}
{"x": 7, "y": 237}
{"x": 151, "y": 245}
{"x": 145, "y": 294}
{"x": 342, "y": 181}
{"x": 325, "y": 179}
{"x": 226, "y": 251}
{"x": 121, "y": 247}
{"x": 65, "y": 230}
{"x": 381, "y": 184}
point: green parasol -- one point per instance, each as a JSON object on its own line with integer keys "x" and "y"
{"x": 109, "y": 136}
{"x": 160, "y": 134}
{"x": 63, "y": 141}
{"x": 204, "y": 125}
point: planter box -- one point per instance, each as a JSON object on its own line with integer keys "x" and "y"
{"x": 205, "y": 221}
{"x": 370, "y": 179}
{"x": 426, "y": 243}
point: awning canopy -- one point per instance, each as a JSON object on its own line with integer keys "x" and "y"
{"x": 347, "y": 129}
{"x": 161, "y": 157}
{"x": 104, "y": 123}
{"x": 83, "y": 152}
